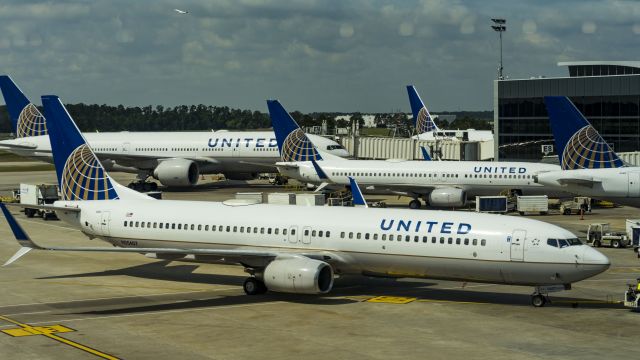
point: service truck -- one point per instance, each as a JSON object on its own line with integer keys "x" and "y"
{"x": 42, "y": 194}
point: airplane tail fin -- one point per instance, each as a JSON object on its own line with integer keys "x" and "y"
{"x": 293, "y": 144}
{"x": 578, "y": 143}
{"x": 422, "y": 120}
{"x": 81, "y": 176}
{"x": 356, "y": 194}
{"x": 26, "y": 119}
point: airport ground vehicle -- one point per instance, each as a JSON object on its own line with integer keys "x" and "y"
{"x": 42, "y": 194}
{"x": 633, "y": 233}
{"x": 632, "y": 297}
{"x": 598, "y": 234}
{"x": 573, "y": 206}
{"x": 533, "y": 204}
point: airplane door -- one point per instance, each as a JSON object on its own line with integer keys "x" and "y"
{"x": 306, "y": 235}
{"x": 125, "y": 147}
{"x": 293, "y": 234}
{"x": 517, "y": 245}
{"x": 634, "y": 184}
{"x": 105, "y": 219}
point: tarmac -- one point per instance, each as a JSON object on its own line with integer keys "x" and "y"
{"x": 91, "y": 305}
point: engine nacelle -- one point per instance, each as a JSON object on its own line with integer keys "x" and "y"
{"x": 177, "y": 172}
{"x": 447, "y": 197}
{"x": 299, "y": 275}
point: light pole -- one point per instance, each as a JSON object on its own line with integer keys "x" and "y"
{"x": 500, "y": 26}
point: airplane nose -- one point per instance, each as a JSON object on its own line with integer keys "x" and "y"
{"x": 595, "y": 257}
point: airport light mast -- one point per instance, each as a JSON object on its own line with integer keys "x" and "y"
{"x": 500, "y": 26}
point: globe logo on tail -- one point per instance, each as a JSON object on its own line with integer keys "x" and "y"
{"x": 423, "y": 122}
{"x": 297, "y": 147}
{"x": 586, "y": 149}
{"x": 30, "y": 122}
{"x": 84, "y": 178}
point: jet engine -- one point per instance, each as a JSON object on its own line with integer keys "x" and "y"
{"x": 447, "y": 197}
{"x": 299, "y": 275}
{"x": 177, "y": 172}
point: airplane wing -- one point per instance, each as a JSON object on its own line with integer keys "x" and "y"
{"x": 23, "y": 146}
{"x": 239, "y": 255}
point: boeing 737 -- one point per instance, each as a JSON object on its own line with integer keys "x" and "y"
{"x": 439, "y": 183}
{"x": 589, "y": 166}
{"x": 174, "y": 159}
{"x": 294, "y": 249}
{"x": 426, "y": 128}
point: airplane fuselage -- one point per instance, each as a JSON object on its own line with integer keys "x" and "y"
{"x": 383, "y": 242}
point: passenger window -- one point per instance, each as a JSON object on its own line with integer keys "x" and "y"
{"x": 284, "y": 231}
{"x": 390, "y": 237}
{"x": 306, "y": 232}
{"x": 269, "y": 231}
{"x": 241, "y": 229}
{"x": 416, "y": 238}
{"x": 425, "y": 239}
{"x": 235, "y": 229}
{"x": 142, "y": 225}
{"x": 450, "y": 241}
{"x": 441, "y": 240}
{"x": 552, "y": 242}
{"x": 179, "y": 226}
{"x": 466, "y": 241}
{"x": 350, "y": 235}
{"x": 384, "y": 237}
{"x": 148, "y": 224}
{"x": 375, "y": 236}
{"x": 313, "y": 233}
{"x": 366, "y": 236}
{"x": 125, "y": 224}
{"x": 433, "y": 240}
{"x": 483, "y": 242}
{"x": 206, "y": 227}
{"x": 155, "y": 225}
{"x": 228, "y": 228}
{"x": 276, "y": 230}
{"x": 358, "y": 236}
{"x": 186, "y": 226}
{"x": 293, "y": 231}
{"x": 262, "y": 230}
{"x": 130, "y": 223}
{"x": 457, "y": 241}
{"x": 328, "y": 233}
{"x": 199, "y": 227}
{"x": 475, "y": 242}
{"x": 255, "y": 230}
{"x": 342, "y": 235}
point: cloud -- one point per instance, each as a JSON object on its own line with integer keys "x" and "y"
{"x": 317, "y": 55}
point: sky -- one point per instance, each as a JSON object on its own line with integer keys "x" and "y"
{"x": 324, "y": 55}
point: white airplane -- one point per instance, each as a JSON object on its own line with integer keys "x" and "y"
{"x": 181, "y": 11}
{"x": 175, "y": 159}
{"x": 426, "y": 128}
{"x": 589, "y": 166}
{"x": 300, "y": 250}
{"x": 439, "y": 183}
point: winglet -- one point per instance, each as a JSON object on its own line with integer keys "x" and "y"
{"x": 293, "y": 144}
{"x": 321, "y": 174}
{"x": 425, "y": 154}
{"x": 578, "y": 143}
{"x": 20, "y": 235}
{"x": 358, "y": 199}
{"x": 422, "y": 120}
{"x": 26, "y": 119}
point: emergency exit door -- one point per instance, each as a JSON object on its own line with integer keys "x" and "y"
{"x": 105, "y": 218}
{"x": 517, "y": 245}
{"x": 634, "y": 184}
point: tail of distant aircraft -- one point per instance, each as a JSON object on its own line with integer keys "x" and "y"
{"x": 422, "y": 120}
{"x": 293, "y": 144}
{"x": 80, "y": 173}
{"x": 26, "y": 119}
{"x": 425, "y": 154}
{"x": 578, "y": 144}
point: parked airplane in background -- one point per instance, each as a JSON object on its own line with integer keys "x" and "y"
{"x": 296, "y": 249}
{"x": 589, "y": 166}
{"x": 426, "y": 128}
{"x": 439, "y": 183}
{"x": 173, "y": 158}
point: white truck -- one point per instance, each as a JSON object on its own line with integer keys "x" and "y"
{"x": 533, "y": 204}
{"x": 38, "y": 195}
{"x": 574, "y": 206}
{"x": 599, "y": 234}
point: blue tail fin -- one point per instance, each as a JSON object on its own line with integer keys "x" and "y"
{"x": 356, "y": 194}
{"x": 293, "y": 144}
{"x": 80, "y": 173}
{"x": 425, "y": 154}
{"x": 422, "y": 120}
{"x": 578, "y": 144}
{"x": 26, "y": 119}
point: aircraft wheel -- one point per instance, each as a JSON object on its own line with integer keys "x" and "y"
{"x": 538, "y": 300}
{"x": 415, "y": 204}
{"x": 253, "y": 286}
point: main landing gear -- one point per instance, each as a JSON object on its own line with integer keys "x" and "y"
{"x": 253, "y": 286}
{"x": 415, "y": 204}
{"x": 538, "y": 300}
{"x": 141, "y": 184}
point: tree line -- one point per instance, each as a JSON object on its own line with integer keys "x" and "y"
{"x": 194, "y": 117}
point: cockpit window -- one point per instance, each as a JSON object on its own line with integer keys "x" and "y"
{"x": 334, "y": 147}
{"x": 552, "y": 242}
{"x": 574, "y": 241}
{"x": 563, "y": 243}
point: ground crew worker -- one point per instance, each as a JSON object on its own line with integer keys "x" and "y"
{"x": 638, "y": 286}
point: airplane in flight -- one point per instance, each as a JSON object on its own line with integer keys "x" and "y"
{"x": 589, "y": 166}
{"x": 294, "y": 249}
{"x": 426, "y": 128}
{"x": 174, "y": 159}
{"x": 438, "y": 183}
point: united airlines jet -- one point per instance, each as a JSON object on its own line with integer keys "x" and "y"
{"x": 173, "y": 158}
{"x": 295, "y": 249}
{"x": 589, "y": 166}
{"x": 439, "y": 183}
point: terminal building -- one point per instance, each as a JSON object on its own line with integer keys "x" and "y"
{"x": 606, "y": 92}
